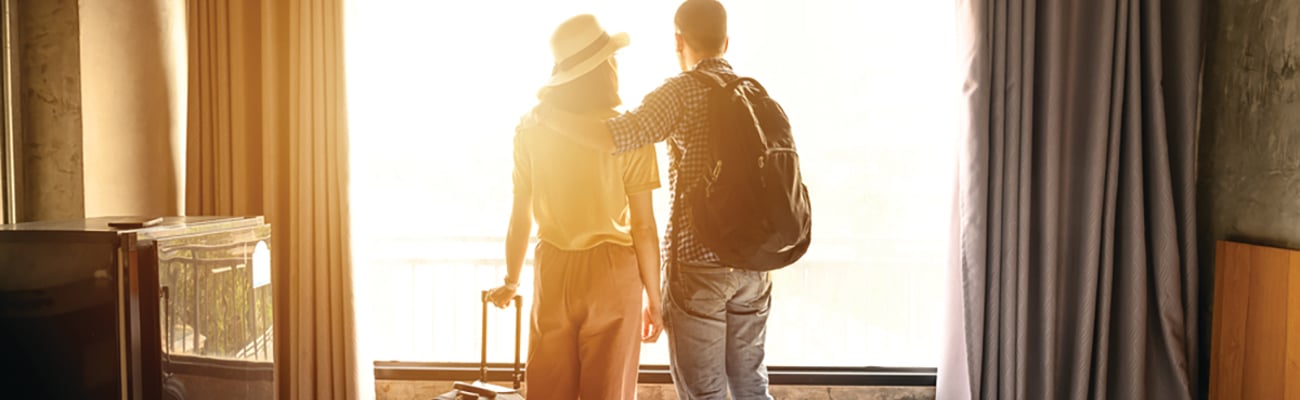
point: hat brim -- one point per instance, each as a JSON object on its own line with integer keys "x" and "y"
{"x": 616, "y": 41}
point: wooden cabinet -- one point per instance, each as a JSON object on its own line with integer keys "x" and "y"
{"x": 1255, "y": 342}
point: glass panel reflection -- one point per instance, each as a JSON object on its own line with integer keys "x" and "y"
{"x": 216, "y": 314}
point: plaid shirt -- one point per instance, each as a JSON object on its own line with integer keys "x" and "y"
{"x": 677, "y": 112}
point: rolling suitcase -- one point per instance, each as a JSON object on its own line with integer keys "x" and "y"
{"x": 480, "y": 389}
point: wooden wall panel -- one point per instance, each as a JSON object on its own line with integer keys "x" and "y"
{"x": 1229, "y": 324}
{"x": 1291, "y": 371}
{"x": 1255, "y": 342}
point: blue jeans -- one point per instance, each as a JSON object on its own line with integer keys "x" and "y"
{"x": 716, "y": 321}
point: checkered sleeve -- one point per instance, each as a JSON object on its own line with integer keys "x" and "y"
{"x": 656, "y": 119}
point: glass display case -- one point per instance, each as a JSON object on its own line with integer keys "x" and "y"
{"x": 107, "y": 308}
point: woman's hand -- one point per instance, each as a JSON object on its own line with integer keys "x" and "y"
{"x": 502, "y": 295}
{"x": 652, "y": 322}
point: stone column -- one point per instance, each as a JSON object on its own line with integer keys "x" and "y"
{"x": 49, "y": 104}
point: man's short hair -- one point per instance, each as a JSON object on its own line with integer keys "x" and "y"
{"x": 703, "y": 24}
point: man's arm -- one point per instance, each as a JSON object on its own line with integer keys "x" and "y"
{"x": 645, "y": 240}
{"x": 653, "y": 121}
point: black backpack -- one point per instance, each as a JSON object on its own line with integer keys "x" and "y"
{"x": 751, "y": 208}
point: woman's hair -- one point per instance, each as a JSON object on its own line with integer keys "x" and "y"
{"x": 593, "y": 91}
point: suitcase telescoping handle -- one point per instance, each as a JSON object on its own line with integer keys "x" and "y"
{"x": 517, "y": 376}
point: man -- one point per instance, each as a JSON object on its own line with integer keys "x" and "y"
{"x": 715, "y": 316}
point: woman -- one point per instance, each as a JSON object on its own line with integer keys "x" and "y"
{"x": 598, "y": 248}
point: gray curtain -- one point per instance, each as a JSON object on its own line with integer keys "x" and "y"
{"x": 1076, "y": 248}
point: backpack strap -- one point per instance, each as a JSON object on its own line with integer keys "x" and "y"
{"x": 713, "y": 82}
{"x": 716, "y": 82}
{"x": 760, "y": 91}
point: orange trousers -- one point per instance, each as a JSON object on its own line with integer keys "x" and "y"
{"x": 585, "y": 336}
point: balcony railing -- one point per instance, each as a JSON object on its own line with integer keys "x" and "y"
{"x": 420, "y": 304}
{"x": 212, "y": 305}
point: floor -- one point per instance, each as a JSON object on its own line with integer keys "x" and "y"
{"x": 422, "y": 390}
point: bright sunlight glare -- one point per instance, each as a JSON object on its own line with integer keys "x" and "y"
{"x": 436, "y": 88}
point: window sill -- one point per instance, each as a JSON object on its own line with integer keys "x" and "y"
{"x": 658, "y": 374}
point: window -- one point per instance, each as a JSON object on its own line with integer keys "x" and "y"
{"x": 436, "y": 88}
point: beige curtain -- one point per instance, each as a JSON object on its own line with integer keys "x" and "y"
{"x": 267, "y": 135}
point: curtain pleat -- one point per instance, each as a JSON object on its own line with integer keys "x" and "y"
{"x": 268, "y": 136}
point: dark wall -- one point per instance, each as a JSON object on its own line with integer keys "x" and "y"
{"x": 1249, "y": 156}
{"x": 1249, "y": 165}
